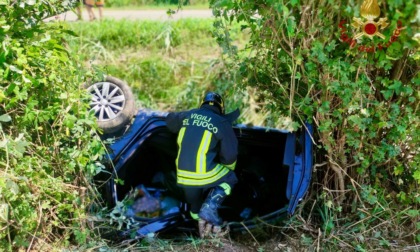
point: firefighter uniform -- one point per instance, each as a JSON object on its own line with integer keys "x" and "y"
{"x": 207, "y": 145}
{"x": 207, "y": 153}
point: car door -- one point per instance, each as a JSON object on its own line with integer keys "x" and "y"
{"x": 300, "y": 165}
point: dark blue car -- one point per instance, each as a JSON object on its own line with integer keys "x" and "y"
{"x": 274, "y": 169}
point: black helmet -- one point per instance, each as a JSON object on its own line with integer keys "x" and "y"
{"x": 214, "y": 99}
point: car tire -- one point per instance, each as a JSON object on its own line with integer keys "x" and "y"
{"x": 112, "y": 102}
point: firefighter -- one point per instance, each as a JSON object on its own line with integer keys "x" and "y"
{"x": 207, "y": 153}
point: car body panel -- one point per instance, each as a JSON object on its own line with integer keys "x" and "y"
{"x": 300, "y": 173}
{"x": 295, "y": 165}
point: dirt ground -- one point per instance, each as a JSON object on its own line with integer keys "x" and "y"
{"x": 138, "y": 14}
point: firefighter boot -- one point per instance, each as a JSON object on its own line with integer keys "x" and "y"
{"x": 208, "y": 211}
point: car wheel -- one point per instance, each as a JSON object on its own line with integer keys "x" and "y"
{"x": 113, "y": 103}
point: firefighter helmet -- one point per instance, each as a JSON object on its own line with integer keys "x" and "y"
{"x": 214, "y": 99}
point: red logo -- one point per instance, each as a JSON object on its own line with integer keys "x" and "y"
{"x": 367, "y": 26}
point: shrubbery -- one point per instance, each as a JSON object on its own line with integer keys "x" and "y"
{"x": 47, "y": 137}
{"x": 295, "y": 67}
{"x": 364, "y": 103}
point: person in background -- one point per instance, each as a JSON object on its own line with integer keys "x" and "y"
{"x": 89, "y": 7}
{"x": 78, "y": 9}
{"x": 207, "y": 153}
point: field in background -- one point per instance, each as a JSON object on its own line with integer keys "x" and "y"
{"x": 156, "y": 4}
{"x": 168, "y": 64}
{"x": 157, "y": 7}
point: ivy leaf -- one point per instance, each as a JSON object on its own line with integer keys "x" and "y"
{"x": 30, "y": 2}
{"x": 416, "y": 176}
{"x": 4, "y": 212}
{"x": 398, "y": 170}
{"x": 396, "y": 86}
{"x": 15, "y": 69}
{"x": 294, "y": 2}
{"x": 285, "y": 11}
{"x": 12, "y": 187}
{"x": 20, "y": 145}
{"x": 413, "y": 213}
{"x": 5, "y": 118}
{"x": 387, "y": 94}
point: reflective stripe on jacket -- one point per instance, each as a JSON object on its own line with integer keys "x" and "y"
{"x": 207, "y": 145}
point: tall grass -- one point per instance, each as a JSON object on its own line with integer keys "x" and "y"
{"x": 157, "y": 4}
{"x": 168, "y": 64}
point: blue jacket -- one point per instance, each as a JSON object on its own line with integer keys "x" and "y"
{"x": 207, "y": 145}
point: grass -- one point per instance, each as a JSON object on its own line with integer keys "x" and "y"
{"x": 167, "y": 64}
{"x": 159, "y": 7}
{"x": 156, "y": 4}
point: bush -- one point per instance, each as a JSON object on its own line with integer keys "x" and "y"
{"x": 363, "y": 100}
{"x": 47, "y": 137}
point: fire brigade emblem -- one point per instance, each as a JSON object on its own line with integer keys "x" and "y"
{"x": 368, "y": 26}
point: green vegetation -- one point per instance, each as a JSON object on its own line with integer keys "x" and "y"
{"x": 156, "y": 4}
{"x": 48, "y": 141}
{"x": 363, "y": 100}
{"x": 285, "y": 66}
{"x": 168, "y": 64}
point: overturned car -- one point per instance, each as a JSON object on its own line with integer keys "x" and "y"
{"x": 274, "y": 169}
